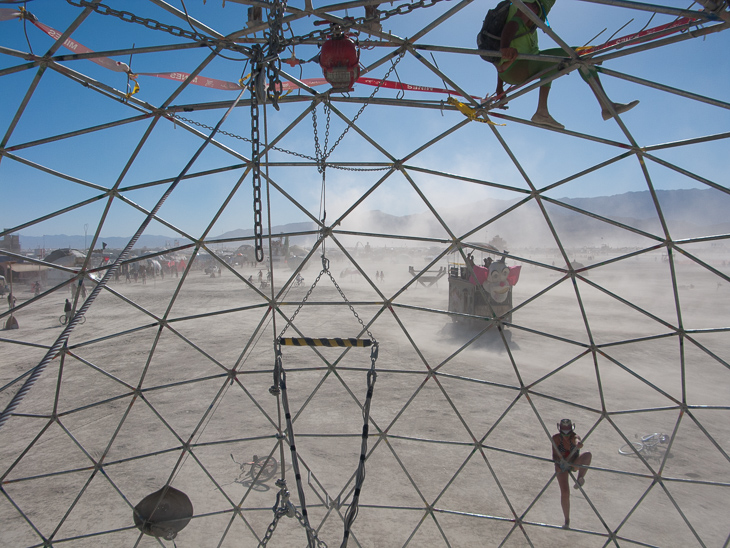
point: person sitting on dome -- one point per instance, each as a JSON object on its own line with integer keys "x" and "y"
{"x": 568, "y": 458}
{"x": 519, "y": 36}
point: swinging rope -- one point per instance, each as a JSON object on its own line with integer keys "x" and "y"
{"x": 352, "y": 511}
{"x": 279, "y": 388}
{"x": 311, "y": 534}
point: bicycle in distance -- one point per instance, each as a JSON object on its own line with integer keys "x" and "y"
{"x": 62, "y": 319}
{"x": 651, "y": 445}
{"x": 259, "y": 470}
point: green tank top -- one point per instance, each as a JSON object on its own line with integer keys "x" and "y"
{"x": 525, "y": 40}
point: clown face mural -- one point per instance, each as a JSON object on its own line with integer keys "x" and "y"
{"x": 492, "y": 299}
{"x": 497, "y": 282}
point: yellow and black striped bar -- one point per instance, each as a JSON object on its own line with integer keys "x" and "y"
{"x": 306, "y": 341}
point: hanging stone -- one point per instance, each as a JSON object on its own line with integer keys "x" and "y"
{"x": 164, "y": 513}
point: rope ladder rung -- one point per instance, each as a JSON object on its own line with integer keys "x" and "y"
{"x": 330, "y": 342}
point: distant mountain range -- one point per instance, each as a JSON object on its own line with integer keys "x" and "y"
{"x": 687, "y": 213}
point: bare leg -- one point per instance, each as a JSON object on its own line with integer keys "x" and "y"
{"x": 608, "y": 108}
{"x": 564, "y": 496}
{"x": 583, "y": 460}
{"x": 542, "y": 100}
{"x": 542, "y": 115}
{"x": 520, "y": 72}
{"x": 499, "y": 92}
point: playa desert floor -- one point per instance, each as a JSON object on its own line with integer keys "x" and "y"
{"x": 169, "y": 383}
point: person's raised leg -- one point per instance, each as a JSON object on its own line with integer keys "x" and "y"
{"x": 609, "y": 109}
{"x": 583, "y": 460}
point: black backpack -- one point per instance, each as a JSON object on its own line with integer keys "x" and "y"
{"x": 491, "y": 34}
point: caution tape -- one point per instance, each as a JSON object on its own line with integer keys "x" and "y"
{"x": 213, "y": 83}
{"x": 203, "y": 81}
{"x": 106, "y": 62}
{"x": 654, "y": 33}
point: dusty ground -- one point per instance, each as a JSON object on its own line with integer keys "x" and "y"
{"x": 459, "y": 436}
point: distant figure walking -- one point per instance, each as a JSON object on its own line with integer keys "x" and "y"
{"x": 67, "y": 311}
{"x": 11, "y": 300}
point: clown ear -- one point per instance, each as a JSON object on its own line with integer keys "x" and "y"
{"x": 514, "y": 274}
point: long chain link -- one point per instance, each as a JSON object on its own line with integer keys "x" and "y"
{"x": 317, "y": 35}
{"x": 321, "y": 35}
{"x": 279, "y": 149}
{"x": 366, "y": 103}
{"x": 264, "y": 60}
{"x": 304, "y": 300}
{"x": 322, "y": 153}
{"x": 254, "y": 85}
{"x": 325, "y": 270}
{"x": 284, "y": 507}
{"x": 153, "y": 24}
{"x": 352, "y": 309}
{"x": 321, "y": 158}
{"x": 275, "y": 39}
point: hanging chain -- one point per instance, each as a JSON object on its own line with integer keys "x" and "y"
{"x": 268, "y": 62}
{"x": 152, "y": 24}
{"x": 275, "y": 41}
{"x": 284, "y": 507}
{"x": 318, "y": 35}
{"x": 352, "y": 309}
{"x": 283, "y": 150}
{"x": 320, "y": 157}
{"x": 325, "y": 270}
{"x": 254, "y": 86}
{"x": 291, "y": 321}
{"x": 321, "y": 35}
{"x": 322, "y": 153}
{"x": 367, "y": 102}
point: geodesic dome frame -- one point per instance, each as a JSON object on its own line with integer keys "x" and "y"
{"x": 167, "y": 385}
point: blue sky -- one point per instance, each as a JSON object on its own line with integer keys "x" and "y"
{"x": 60, "y": 105}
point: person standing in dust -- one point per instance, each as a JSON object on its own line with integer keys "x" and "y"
{"x": 67, "y": 311}
{"x": 568, "y": 458}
